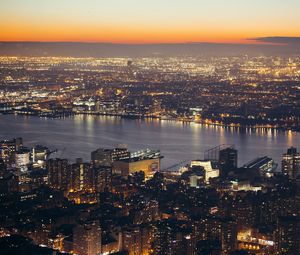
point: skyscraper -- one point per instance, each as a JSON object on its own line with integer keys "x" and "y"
{"x": 58, "y": 173}
{"x": 162, "y": 240}
{"x": 81, "y": 177}
{"x": 102, "y": 157}
{"x": 8, "y": 149}
{"x": 228, "y": 159}
{"x": 105, "y": 157}
{"x": 22, "y": 159}
{"x": 131, "y": 241}
{"x": 291, "y": 163}
{"x": 102, "y": 178}
{"x": 2, "y": 168}
{"x": 288, "y": 236}
{"x": 87, "y": 238}
{"x": 228, "y": 235}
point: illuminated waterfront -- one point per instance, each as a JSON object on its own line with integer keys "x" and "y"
{"x": 177, "y": 141}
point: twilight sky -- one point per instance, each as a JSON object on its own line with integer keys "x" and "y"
{"x": 148, "y": 21}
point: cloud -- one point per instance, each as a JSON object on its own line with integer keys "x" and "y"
{"x": 281, "y": 40}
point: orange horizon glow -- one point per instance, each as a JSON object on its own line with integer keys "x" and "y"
{"x": 17, "y": 33}
{"x": 141, "y": 22}
{"x": 141, "y": 42}
{"x": 128, "y": 35}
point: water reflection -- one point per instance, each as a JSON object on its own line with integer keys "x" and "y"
{"x": 177, "y": 140}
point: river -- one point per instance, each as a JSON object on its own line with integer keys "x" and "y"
{"x": 77, "y": 136}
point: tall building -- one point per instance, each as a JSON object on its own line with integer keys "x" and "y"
{"x": 81, "y": 177}
{"x": 131, "y": 241}
{"x": 228, "y": 159}
{"x": 291, "y": 163}
{"x": 173, "y": 237}
{"x": 87, "y": 238}
{"x": 228, "y": 236}
{"x": 102, "y": 178}
{"x": 223, "y": 230}
{"x": 18, "y": 143}
{"x": 58, "y": 174}
{"x": 288, "y": 236}
{"x": 102, "y": 157}
{"x": 162, "y": 239}
{"x": 22, "y": 159}
{"x": 105, "y": 157}
{"x": 243, "y": 212}
{"x": 2, "y": 168}
{"x": 8, "y": 149}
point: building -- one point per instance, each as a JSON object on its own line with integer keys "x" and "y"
{"x": 265, "y": 165}
{"x": 288, "y": 236}
{"x": 162, "y": 239}
{"x": 87, "y": 238}
{"x": 291, "y": 163}
{"x": 149, "y": 213}
{"x": 243, "y": 212}
{"x": 211, "y": 169}
{"x": 136, "y": 240}
{"x": 172, "y": 237}
{"x": 2, "y": 168}
{"x": 131, "y": 241}
{"x": 147, "y": 161}
{"x": 243, "y": 185}
{"x": 81, "y": 177}
{"x": 39, "y": 154}
{"x": 8, "y": 148}
{"x": 228, "y": 159}
{"x": 106, "y": 157}
{"x": 22, "y": 159}
{"x": 228, "y": 236}
{"x": 102, "y": 157}
{"x": 222, "y": 230}
{"x": 195, "y": 180}
{"x": 58, "y": 174}
{"x": 102, "y": 178}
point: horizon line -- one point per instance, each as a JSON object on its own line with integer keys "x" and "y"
{"x": 254, "y": 41}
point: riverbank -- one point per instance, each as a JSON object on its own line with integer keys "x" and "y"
{"x": 207, "y": 122}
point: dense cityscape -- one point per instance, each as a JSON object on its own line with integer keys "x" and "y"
{"x": 121, "y": 203}
{"x": 232, "y": 91}
{"x": 137, "y": 127}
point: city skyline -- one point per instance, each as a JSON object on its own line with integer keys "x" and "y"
{"x": 163, "y": 127}
{"x": 144, "y": 22}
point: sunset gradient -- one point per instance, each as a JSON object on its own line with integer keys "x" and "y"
{"x": 141, "y": 21}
